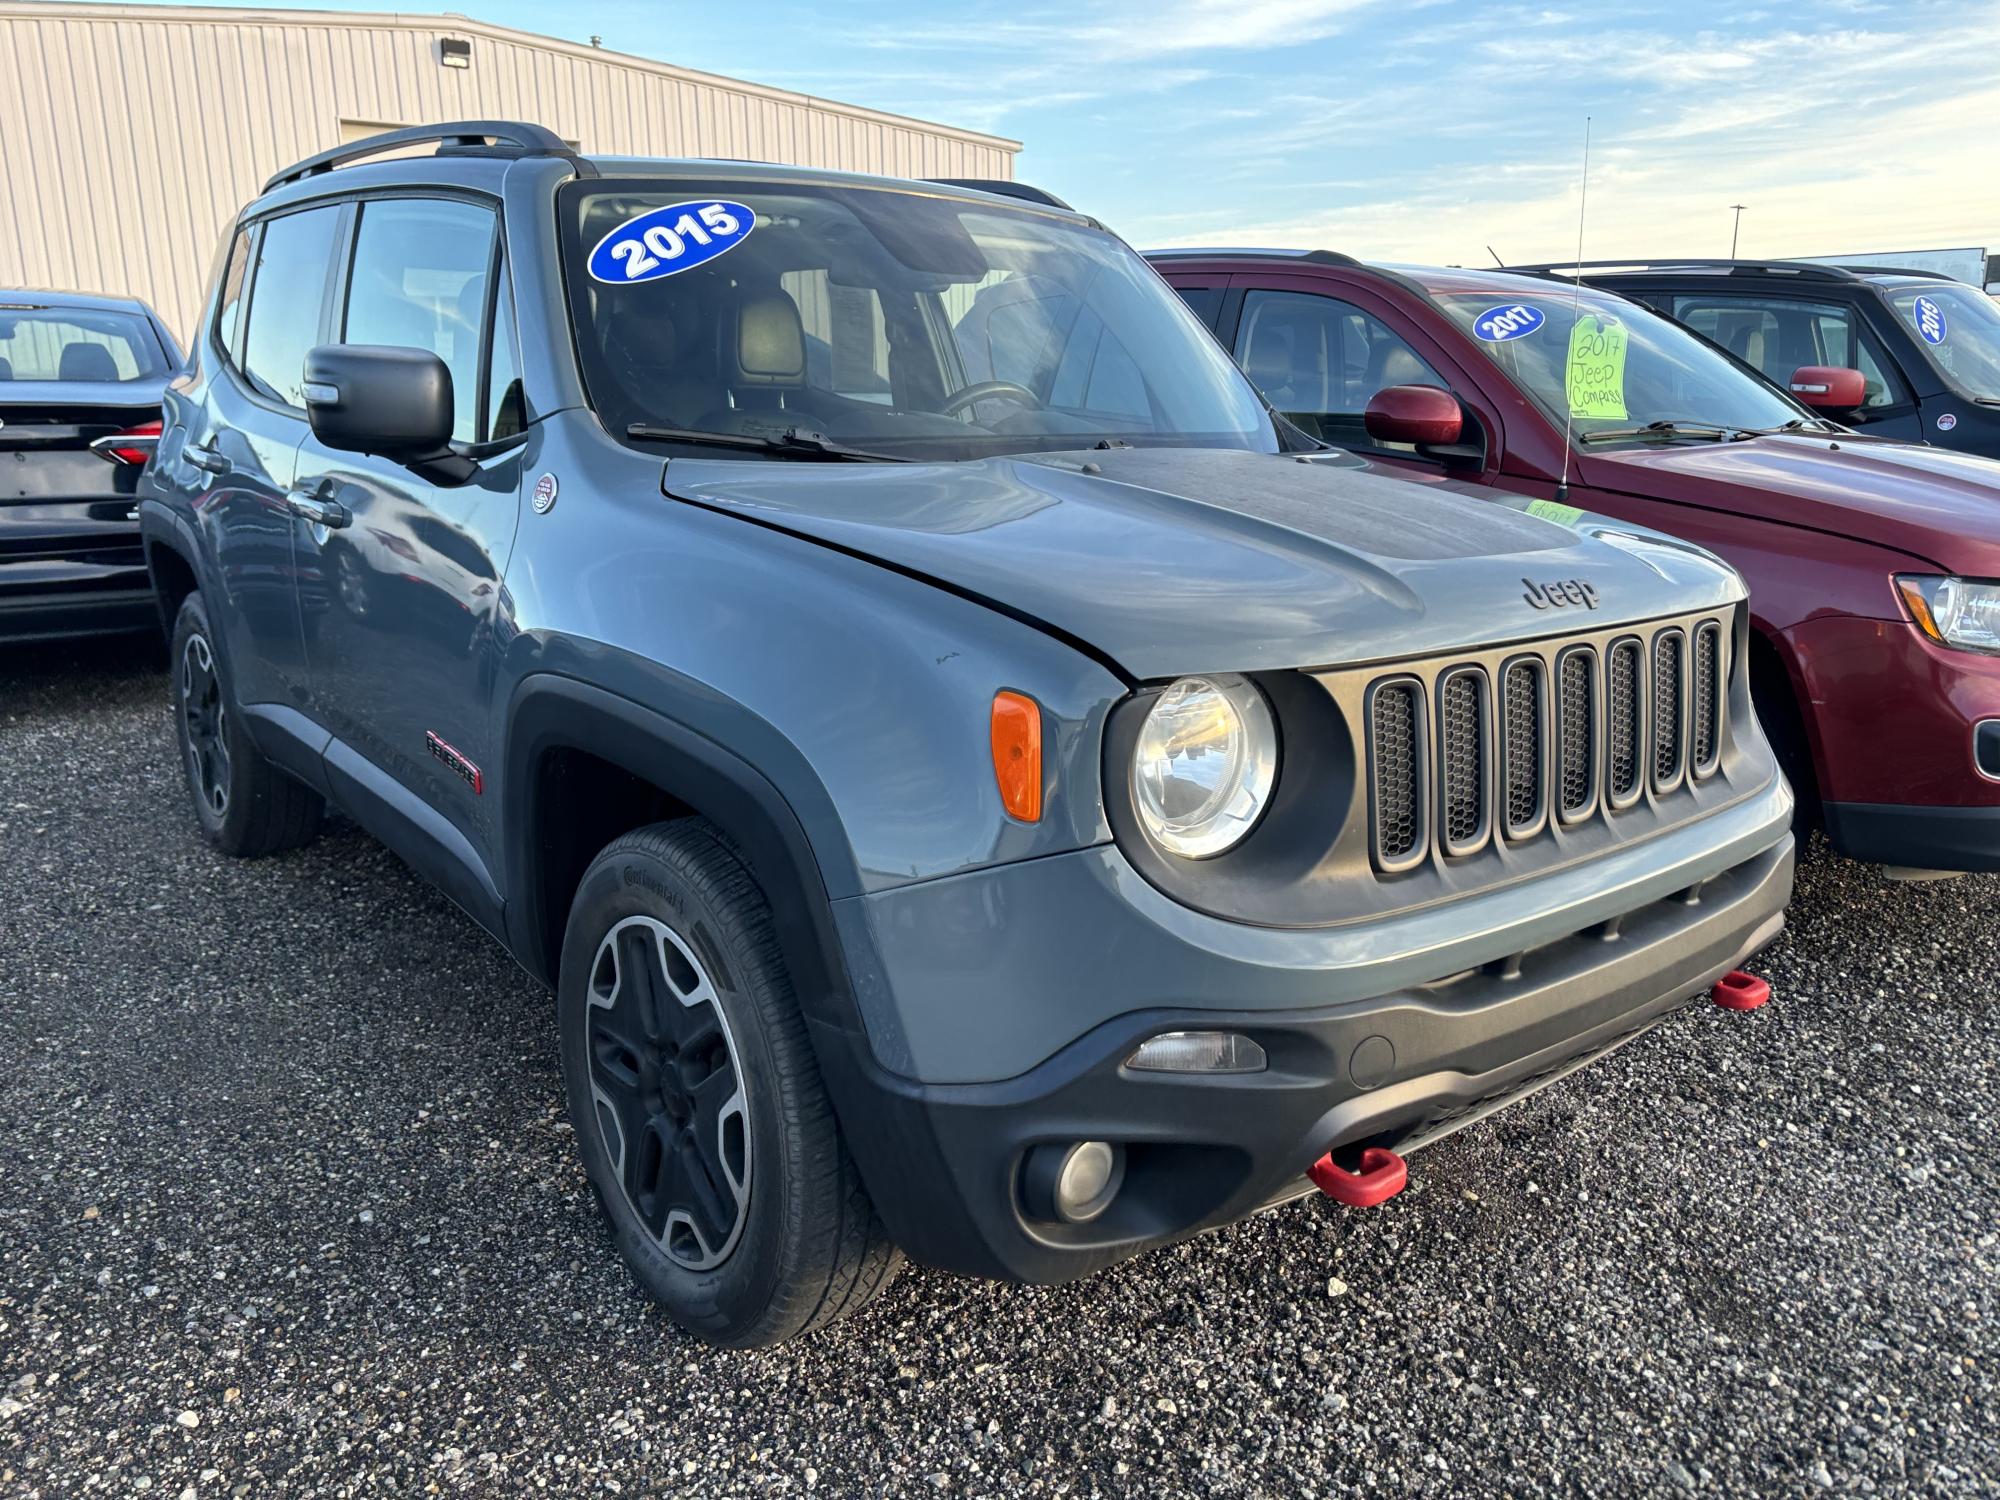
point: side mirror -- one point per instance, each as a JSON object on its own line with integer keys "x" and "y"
{"x": 1829, "y": 387}
{"x": 393, "y": 403}
{"x": 1420, "y": 414}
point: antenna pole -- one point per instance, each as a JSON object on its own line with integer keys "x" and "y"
{"x": 1735, "y": 226}
{"x": 1496, "y": 257}
{"x": 1575, "y": 310}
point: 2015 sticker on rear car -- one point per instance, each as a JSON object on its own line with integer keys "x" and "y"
{"x": 1498, "y": 324}
{"x": 1929, "y": 318}
{"x": 671, "y": 239}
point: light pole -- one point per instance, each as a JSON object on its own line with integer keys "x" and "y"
{"x": 1735, "y": 226}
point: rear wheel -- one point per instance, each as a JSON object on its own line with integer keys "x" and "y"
{"x": 698, "y": 1105}
{"x": 246, "y": 806}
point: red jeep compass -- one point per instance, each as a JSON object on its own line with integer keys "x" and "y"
{"x": 1874, "y": 566}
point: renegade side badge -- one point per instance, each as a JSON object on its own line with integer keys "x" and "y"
{"x": 544, "y": 497}
{"x": 462, "y": 768}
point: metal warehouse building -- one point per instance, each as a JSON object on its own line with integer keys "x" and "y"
{"x": 129, "y": 134}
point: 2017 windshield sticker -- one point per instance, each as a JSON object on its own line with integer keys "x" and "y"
{"x": 1595, "y": 372}
{"x": 665, "y": 241}
{"x": 1929, "y": 318}
{"x": 1498, "y": 324}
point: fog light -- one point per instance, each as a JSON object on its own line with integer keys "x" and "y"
{"x": 1198, "y": 1052}
{"x": 1074, "y": 1183}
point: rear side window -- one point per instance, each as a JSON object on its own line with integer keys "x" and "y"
{"x": 1778, "y": 334}
{"x": 421, "y": 270}
{"x": 287, "y": 291}
{"x": 79, "y": 344}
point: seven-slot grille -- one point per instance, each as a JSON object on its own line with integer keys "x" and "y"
{"x": 1544, "y": 736}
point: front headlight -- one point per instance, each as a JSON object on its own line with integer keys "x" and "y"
{"x": 1960, "y": 612}
{"x": 1204, "y": 765}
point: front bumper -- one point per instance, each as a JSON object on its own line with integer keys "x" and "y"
{"x": 1400, "y": 1068}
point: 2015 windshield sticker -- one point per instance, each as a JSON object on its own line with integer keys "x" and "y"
{"x": 1595, "y": 372}
{"x": 668, "y": 240}
{"x": 1929, "y": 318}
{"x": 1498, "y": 324}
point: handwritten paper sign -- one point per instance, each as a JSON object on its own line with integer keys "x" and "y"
{"x": 1595, "y": 374}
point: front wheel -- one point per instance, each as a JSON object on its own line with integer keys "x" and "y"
{"x": 698, "y": 1105}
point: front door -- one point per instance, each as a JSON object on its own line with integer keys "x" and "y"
{"x": 400, "y": 647}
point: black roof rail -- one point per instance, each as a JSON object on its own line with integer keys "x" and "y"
{"x": 1862, "y": 268}
{"x": 1805, "y": 270}
{"x": 516, "y": 137}
{"x": 1005, "y": 188}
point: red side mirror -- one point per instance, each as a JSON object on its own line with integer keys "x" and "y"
{"x": 1829, "y": 387}
{"x": 1420, "y": 414}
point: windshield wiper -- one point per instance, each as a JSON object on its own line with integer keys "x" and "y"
{"x": 1797, "y": 424}
{"x": 802, "y": 441}
{"x": 1661, "y": 430}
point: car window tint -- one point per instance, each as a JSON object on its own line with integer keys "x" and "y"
{"x": 83, "y": 344}
{"x": 287, "y": 290}
{"x": 506, "y": 406}
{"x": 1319, "y": 360}
{"x": 1205, "y": 300}
{"x": 418, "y": 281}
{"x": 1778, "y": 334}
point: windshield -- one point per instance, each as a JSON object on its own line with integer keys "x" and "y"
{"x": 1958, "y": 328}
{"x": 1611, "y": 366}
{"x": 77, "y": 343}
{"x": 916, "y": 326}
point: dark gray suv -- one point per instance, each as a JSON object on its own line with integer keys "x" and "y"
{"x": 979, "y": 786}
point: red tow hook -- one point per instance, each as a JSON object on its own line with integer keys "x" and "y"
{"x": 1382, "y": 1175}
{"x": 1738, "y": 990}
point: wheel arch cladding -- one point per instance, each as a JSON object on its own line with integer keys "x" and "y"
{"x": 173, "y": 577}
{"x": 584, "y": 766}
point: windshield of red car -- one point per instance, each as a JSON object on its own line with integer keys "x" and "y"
{"x": 912, "y": 324}
{"x": 1608, "y": 365}
{"x": 1958, "y": 328}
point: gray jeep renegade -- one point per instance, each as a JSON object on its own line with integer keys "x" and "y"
{"x": 979, "y": 786}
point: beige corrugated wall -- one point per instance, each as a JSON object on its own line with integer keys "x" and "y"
{"x": 130, "y": 134}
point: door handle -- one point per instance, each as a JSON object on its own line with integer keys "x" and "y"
{"x": 205, "y": 458}
{"x": 308, "y": 504}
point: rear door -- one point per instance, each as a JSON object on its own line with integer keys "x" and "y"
{"x": 233, "y": 466}
{"x": 401, "y": 643}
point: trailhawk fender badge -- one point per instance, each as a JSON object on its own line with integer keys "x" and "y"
{"x": 1565, "y": 593}
{"x": 544, "y": 496}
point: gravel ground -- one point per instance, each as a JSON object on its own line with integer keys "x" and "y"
{"x": 288, "y": 1205}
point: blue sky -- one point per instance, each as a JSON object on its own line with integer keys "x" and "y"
{"x": 1414, "y": 129}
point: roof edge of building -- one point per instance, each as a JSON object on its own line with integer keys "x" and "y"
{"x": 452, "y": 21}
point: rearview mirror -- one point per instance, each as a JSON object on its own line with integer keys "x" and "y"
{"x": 393, "y": 403}
{"x": 1829, "y": 387}
{"x": 1420, "y": 414}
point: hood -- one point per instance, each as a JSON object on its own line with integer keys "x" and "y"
{"x": 1935, "y": 505}
{"x": 1171, "y": 560}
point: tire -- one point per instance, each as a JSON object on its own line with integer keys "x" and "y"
{"x": 706, "y": 1130}
{"x": 246, "y": 806}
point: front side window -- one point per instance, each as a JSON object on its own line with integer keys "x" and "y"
{"x": 229, "y": 297}
{"x": 1779, "y": 334}
{"x": 419, "y": 280}
{"x": 1320, "y": 360}
{"x": 80, "y": 344}
{"x": 287, "y": 294}
{"x": 919, "y": 325}
{"x": 1959, "y": 332}
{"x": 1615, "y": 371}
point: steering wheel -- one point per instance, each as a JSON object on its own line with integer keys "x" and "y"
{"x": 1006, "y": 390}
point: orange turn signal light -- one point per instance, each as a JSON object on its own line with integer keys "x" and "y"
{"x": 1017, "y": 755}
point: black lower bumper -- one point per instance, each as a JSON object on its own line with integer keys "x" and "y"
{"x": 945, "y": 1163}
{"x": 1922, "y": 838}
